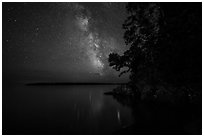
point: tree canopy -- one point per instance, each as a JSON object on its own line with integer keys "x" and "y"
{"x": 162, "y": 37}
{"x": 142, "y": 29}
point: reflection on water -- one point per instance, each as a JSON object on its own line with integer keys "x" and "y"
{"x": 62, "y": 110}
{"x": 154, "y": 116}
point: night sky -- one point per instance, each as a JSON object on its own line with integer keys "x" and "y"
{"x": 67, "y": 42}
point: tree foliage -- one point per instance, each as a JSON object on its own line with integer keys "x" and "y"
{"x": 141, "y": 35}
{"x": 166, "y": 37}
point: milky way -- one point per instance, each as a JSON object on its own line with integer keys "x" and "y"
{"x": 69, "y": 41}
{"x": 91, "y": 42}
{"x": 96, "y": 47}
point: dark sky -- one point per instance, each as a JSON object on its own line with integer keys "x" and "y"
{"x": 62, "y": 41}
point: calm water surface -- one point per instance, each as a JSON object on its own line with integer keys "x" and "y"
{"x": 75, "y": 109}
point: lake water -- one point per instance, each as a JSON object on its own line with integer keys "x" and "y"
{"x": 72, "y": 109}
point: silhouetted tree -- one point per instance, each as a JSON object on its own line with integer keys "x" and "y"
{"x": 164, "y": 38}
{"x": 142, "y": 29}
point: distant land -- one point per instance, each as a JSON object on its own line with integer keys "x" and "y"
{"x": 66, "y": 83}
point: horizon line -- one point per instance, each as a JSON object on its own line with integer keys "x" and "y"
{"x": 72, "y": 83}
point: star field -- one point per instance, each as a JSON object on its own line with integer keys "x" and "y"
{"x": 62, "y": 41}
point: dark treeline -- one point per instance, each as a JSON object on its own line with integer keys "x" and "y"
{"x": 165, "y": 43}
{"x": 164, "y": 61}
